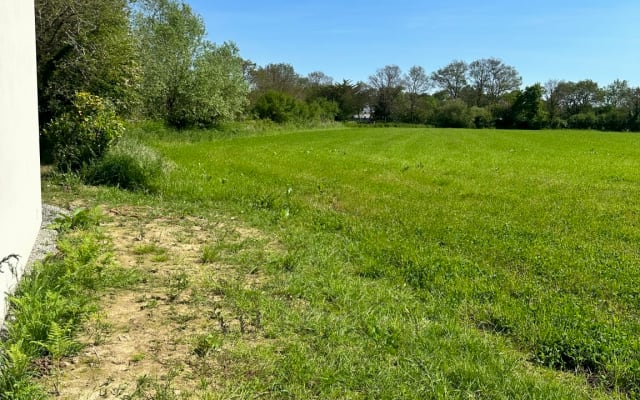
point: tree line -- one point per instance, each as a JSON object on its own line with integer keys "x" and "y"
{"x": 482, "y": 94}
{"x": 151, "y": 59}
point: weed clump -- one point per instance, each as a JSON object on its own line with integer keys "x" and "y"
{"x": 209, "y": 254}
{"x": 128, "y": 165}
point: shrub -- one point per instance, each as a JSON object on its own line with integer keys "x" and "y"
{"x": 613, "y": 120}
{"x": 482, "y": 117}
{"x": 83, "y": 135}
{"x": 453, "y": 114}
{"x": 322, "y": 109}
{"x": 586, "y": 120}
{"x": 128, "y": 165}
{"x": 558, "y": 123}
{"x": 280, "y": 107}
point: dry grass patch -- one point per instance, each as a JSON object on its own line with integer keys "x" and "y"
{"x": 167, "y": 336}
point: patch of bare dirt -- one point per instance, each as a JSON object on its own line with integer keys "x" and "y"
{"x": 160, "y": 334}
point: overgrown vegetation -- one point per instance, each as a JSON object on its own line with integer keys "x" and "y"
{"x": 186, "y": 80}
{"x": 82, "y": 135}
{"x": 128, "y": 165}
{"x": 52, "y": 301}
{"x": 84, "y": 46}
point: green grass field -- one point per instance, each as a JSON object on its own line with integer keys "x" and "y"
{"x": 428, "y": 263}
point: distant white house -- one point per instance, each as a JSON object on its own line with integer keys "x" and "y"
{"x": 364, "y": 114}
{"x": 20, "y": 202}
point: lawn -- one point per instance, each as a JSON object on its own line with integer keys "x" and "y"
{"x": 414, "y": 263}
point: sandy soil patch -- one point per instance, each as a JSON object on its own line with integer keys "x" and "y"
{"x": 162, "y": 334}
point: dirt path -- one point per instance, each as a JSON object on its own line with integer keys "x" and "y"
{"x": 162, "y": 338}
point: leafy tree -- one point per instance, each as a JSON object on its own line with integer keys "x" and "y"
{"x": 502, "y": 110}
{"x": 316, "y": 86}
{"x": 553, "y": 96}
{"x": 276, "y": 77}
{"x": 586, "y": 95}
{"x": 567, "y": 99}
{"x": 170, "y": 38}
{"x": 491, "y": 78}
{"x": 422, "y": 111}
{"x": 388, "y": 84}
{"x": 578, "y": 97}
{"x": 417, "y": 84}
{"x": 323, "y": 100}
{"x": 84, "y": 45}
{"x": 528, "y": 109}
{"x": 620, "y": 109}
{"x": 282, "y": 108}
{"x": 321, "y": 109}
{"x": 319, "y": 78}
{"x": 220, "y": 91}
{"x": 187, "y": 80}
{"x": 451, "y": 79}
{"x": 613, "y": 119}
{"x": 616, "y": 95}
{"x": 614, "y": 114}
{"x": 351, "y": 98}
{"x": 634, "y": 109}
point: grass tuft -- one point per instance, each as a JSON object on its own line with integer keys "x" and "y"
{"x": 129, "y": 165}
{"x": 209, "y": 254}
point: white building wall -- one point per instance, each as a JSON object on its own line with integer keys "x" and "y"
{"x": 20, "y": 202}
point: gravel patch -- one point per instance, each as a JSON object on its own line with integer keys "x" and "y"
{"x": 47, "y": 237}
{"x": 45, "y": 244}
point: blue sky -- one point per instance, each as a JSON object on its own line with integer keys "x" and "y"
{"x": 570, "y": 40}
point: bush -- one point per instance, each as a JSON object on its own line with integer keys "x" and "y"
{"x": 280, "y": 107}
{"x": 558, "y": 123}
{"x": 613, "y": 120}
{"x": 453, "y": 114}
{"x": 83, "y": 135}
{"x": 482, "y": 117}
{"x": 322, "y": 109}
{"x": 585, "y": 120}
{"x": 128, "y": 165}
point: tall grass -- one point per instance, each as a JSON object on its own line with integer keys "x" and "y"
{"x": 424, "y": 263}
{"x": 438, "y": 262}
{"x": 128, "y": 165}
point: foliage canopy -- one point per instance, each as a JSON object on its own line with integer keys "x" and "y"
{"x": 82, "y": 135}
{"x": 186, "y": 79}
